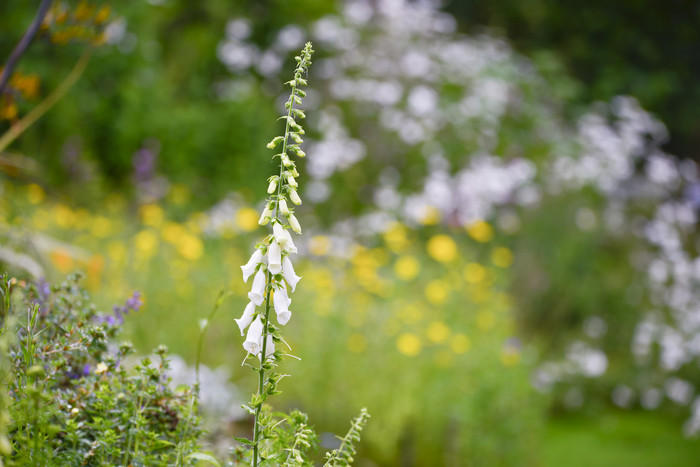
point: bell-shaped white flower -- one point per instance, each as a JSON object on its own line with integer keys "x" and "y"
{"x": 286, "y": 161}
{"x": 289, "y": 274}
{"x": 283, "y": 208}
{"x": 281, "y": 302}
{"x": 292, "y": 181}
{"x": 294, "y": 223}
{"x": 294, "y": 196}
{"x": 257, "y": 292}
{"x": 274, "y": 257}
{"x": 253, "y": 341}
{"x": 272, "y": 186}
{"x": 246, "y": 317}
{"x": 266, "y": 215}
{"x": 249, "y": 268}
{"x": 283, "y": 238}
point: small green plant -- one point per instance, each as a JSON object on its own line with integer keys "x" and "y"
{"x": 279, "y": 439}
{"x": 68, "y": 397}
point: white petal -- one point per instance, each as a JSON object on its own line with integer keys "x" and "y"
{"x": 249, "y": 268}
{"x": 253, "y": 341}
{"x": 294, "y": 223}
{"x": 258, "y": 289}
{"x": 281, "y": 302}
{"x": 274, "y": 258}
{"x": 289, "y": 274}
{"x": 246, "y": 317}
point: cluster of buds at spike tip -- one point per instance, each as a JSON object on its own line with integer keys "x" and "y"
{"x": 271, "y": 265}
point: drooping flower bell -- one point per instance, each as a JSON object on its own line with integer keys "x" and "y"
{"x": 246, "y": 317}
{"x": 257, "y": 292}
{"x": 249, "y": 268}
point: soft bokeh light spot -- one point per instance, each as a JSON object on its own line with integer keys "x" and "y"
{"x": 502, "y": 257}
{"x": 460, "y": 344}
{"x": 436, "y": 292}
{"x": 485, "y": 320}
{"x": 442, "y": 248}
{"x": 474, "y": 273}
{"x": 152, "y": 214}
{"x": 35, "y": 193}
{"x": 356, "y": 343}
{"x": 438, "y": 332}
{"x": 247, "y": 219}
{"x": 481, "y": 231}
{"x": 406, "y": 268}
{"x": 409, "y": 344}
{"x": 319, "y": 245}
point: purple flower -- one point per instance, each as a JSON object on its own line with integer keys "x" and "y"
{"x": 134, "y": 302}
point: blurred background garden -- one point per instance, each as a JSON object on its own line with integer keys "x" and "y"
{"x": 500, "y": 257}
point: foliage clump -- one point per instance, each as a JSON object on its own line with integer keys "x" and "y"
{"x": 71, "y": 400}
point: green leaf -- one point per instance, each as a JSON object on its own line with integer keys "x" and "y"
{"x": 204, "y": 457}
{"x": 245, "y": 441}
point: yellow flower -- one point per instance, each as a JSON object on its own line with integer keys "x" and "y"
{"x": 356, "y": 343}
{"x": 460, "y": 344}
{"x": 409, "y": 344}
{"x": 436, "y": 292}
{"x": 190, "y": 247}
{"x": 146, "y": 243}
{"x": 431, "y": 216}
{"x": 480, "y": 231}
{"x": 152, "y": 214}
{"x": 474, "y": 273}
{"x": 396, "y": 238}
{"x": 502, "y": 257}
{"x": 247, "y": 219}
{"x": 319, "y": 245}
{"x": 438, "y": 332}
{"x": 442, "y": 248}
{"x": 485, "y": 320}
{"x": 101, "y": 368}
{"x": 406, "y": 268}
{"x": 35, "y": 194}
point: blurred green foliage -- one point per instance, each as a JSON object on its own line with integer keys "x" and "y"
{"x": 645, "y": 49}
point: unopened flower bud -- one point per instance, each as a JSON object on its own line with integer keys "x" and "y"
{"x": 283, "y": 208}
{"x": 272, "y": 186}
{"x": 286, "y": 160}
{"x": 291, "y": 181}
{"x": 266, "y": 215}
{"x": 294, "y": 196}
{"x": 294, "y": 223}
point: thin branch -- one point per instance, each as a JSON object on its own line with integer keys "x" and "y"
{"x": 23, "y": 44}
{"x": 18, "y": 128}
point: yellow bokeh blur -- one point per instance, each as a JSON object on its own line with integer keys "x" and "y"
{"x": 502, "y": 257}
{"x": 409, "y": 344}
{"x": 481, "y": 231}
{"x": 442, "y": 248}
{"x": 436, "y": 292}
{"x": 406, "y": 268}
{"x": 152, "y": 214}
{"x": 438, "y": 332}
{"x": 460, "y": 344}
{"x": 474, "y": 273}
{"x": 247, "y": 219}
{"x": 35, "y": 193}
{"x": 356, "y": 343}
{"x": 319, "y": 245}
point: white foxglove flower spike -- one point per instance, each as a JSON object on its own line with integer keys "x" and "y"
{"x": 289, "y": 274}
{"x": 249, "y": 268}
{"x": 269, "y": 348}
{"x": 253, "y": 341}
{"x": 247, "y": 317}
{"x": 274, "y": 257}
{"x": 281, "y": 303}
{"x": 257, "y": 292}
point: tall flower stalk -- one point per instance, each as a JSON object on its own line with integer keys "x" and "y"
{"x": 271, "y": 265}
